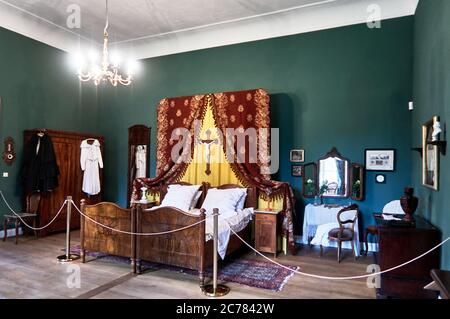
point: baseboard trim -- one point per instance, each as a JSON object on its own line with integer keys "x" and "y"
{"x": 10, "y": 232}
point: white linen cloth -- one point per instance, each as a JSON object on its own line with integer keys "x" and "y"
{"x": 319, "y": 220}
{"x": 236, "y": 220}
{"x": 91, "y": 160}
{"x": 141, "y": 161}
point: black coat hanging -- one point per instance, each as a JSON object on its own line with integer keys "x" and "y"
{"x": 40, "y": 170}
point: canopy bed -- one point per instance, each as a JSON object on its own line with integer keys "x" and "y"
{"x": 203, "y": 116}
{"x": 216, "y": 113}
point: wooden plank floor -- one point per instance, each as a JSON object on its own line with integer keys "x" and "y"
{"x": 30, "y": 270}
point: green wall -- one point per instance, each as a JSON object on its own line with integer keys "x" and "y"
{"x": 39, "y": 90}
{"x": 346, "y": 87}
{"x": 432, "y": 97}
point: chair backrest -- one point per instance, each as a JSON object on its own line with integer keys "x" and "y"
{"x": 33, "y": 200}
{"x": 349, "y": 219}
{"x": 393, "y": 207}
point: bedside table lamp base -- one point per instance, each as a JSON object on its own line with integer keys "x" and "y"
{"x": 215, "y": 290}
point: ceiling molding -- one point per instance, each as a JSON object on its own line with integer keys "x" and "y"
{"x": 323, "y": 15}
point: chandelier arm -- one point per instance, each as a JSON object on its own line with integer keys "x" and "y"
{"x": 105, "y": 31}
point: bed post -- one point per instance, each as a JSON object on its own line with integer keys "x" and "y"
{"x": 137, "y": 241}
{"x": 202, "y": 235}
{"x": 83, "y": 251}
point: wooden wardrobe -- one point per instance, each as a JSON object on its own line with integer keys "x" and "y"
{"x": 67, "y": 151}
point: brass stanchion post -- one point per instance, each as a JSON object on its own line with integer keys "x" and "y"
{"x": 68, "y": 256}
{"x": 215, "y": 290}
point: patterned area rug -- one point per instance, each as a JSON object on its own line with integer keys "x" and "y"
{"x": 253, "y": 273}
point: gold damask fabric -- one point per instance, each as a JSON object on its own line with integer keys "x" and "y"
{"x": 250, "y": 110}
{"x": 174, "y": 114}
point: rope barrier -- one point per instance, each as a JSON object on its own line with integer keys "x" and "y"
{"x": 132, "y": 233}
{"x": 340, "y": 278}
{"x": 240, "y": 238}
{"x": 25, "y": 223}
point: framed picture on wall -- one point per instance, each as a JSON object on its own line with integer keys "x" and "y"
{"x": 296, "y": 170}
{"x": 430, "y": 158}
{"x": 380, "y": 160}
{"x": 297, "y": 156}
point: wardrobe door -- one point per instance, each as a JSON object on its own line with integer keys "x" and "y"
{"x": 52, "y": 201}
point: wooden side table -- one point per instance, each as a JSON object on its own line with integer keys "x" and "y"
{"x": 267, "y": 230}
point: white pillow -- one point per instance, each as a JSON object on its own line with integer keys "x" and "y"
{"x": 195, "y": 199}
{"x": 180, "y": 196}
{"x": 225, "y": 200}
{"x": 241, "y": 203}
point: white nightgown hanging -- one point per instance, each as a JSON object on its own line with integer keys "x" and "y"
{"x": 91, "y": 160}
{"x": 141, "y": 161}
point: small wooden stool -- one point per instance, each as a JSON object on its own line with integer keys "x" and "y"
{"x": 372, "y": 230}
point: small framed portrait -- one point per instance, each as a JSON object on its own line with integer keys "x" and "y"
{"x": 297, "y": 156}
{"x": 430, "y": 158}
{"x": 296, "y": 170}
{"x": 380, "y": 160}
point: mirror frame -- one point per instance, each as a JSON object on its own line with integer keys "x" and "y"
{"x": 334, "y": 153}
{"x": 314, "y": 165}
{"x": 362, "y": 179}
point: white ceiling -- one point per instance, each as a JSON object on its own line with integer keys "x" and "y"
{"x": 146, "y": 28}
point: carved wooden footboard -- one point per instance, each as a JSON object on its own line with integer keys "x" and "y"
{"x": 100, "y": 239}
{"x": 185, "y": 248}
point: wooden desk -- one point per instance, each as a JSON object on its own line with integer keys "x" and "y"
{"x": 399, "y": 243}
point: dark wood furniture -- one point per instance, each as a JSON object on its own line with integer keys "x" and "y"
{"x": 400, "y": 242}
{"x": 31, "y": 213}
{"x": 67, "y": 150}
{"x": 97, "y": 238}
{"x": 441, "y": 283}
{"x": 267, "y": 231}
{"x": 186, "y": 248}
{"x": 138, "y": 135}
{"x": 343, "y": 233}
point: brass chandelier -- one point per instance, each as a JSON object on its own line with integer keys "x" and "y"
{"x": 106, "y": 72}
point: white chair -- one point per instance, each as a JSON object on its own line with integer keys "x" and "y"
{"x": 393, "y": 207}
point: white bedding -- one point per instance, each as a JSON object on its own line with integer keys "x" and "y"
{"x": 236, "y": 220}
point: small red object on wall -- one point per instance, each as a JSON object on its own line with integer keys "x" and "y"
{"x": 9, "y": 156}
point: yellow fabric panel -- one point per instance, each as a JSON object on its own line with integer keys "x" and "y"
{"x": 221, "y": 170}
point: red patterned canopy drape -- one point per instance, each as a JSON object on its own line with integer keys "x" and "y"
{"x": 232, "y": 110}
{"x": 245, "y": 110}
{"x": 173, "y": 113}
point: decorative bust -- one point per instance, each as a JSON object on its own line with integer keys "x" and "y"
{"x": 436, "y": 131}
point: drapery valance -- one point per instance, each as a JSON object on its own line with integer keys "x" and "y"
{"x": 238, "y": 111}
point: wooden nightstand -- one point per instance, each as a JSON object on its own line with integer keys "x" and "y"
{"x": 267, "y": 230}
